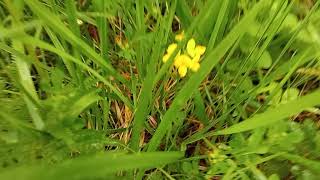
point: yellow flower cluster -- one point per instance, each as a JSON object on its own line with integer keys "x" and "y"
{"x": 189, "y": 60}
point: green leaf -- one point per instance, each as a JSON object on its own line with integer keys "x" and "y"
{"x": 290, "y": 22}
{"x": 102, "y": 28}
{"x": 310, "y": 164}
{"x": 274, "y": 115}
{"x": 184, "y": 13}
{"x": 82, "y": 103}
{"x": 200, "y": 109}
{"x": 290, "y": 94}
{"x": 247, "y": 43}
{"x": 24, "y": 70}
{"x": 265, "y": 61}
{"x": 253, "y": 30}
{"x": 234, "y": 64}
{"x": 98, "y": 166}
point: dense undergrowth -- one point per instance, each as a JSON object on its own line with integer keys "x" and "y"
{"x": 156, "y": 89}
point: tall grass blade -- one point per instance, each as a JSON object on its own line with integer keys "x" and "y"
{"x": 274, "y": 114}
{"x": 99, "y": 166}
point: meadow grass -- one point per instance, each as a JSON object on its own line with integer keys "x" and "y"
{"x": 179, "y": 89}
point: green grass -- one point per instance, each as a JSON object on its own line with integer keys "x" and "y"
{"x": 84, "y": 93}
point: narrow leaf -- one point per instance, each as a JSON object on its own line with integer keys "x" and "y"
{"x": 275, "y": 114}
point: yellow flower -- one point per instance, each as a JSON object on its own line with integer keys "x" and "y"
{"x": 180, "y": 36}
{"x": 189, "y": 60}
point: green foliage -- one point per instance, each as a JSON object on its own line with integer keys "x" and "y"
{"x": 268, "y": 147}
{"x": 84, "y": 93}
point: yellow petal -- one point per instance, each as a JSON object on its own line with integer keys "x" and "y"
{"x": 178, "y": 61}
{"x": 196, "y": 58}
{"x": 191, "y": 47}
{"x": 200, "y": 50}
{"x": 195, "y": 67}
{"x": 165, "y": 58}
{"x": 186, "y": 60}
{"x": 180, "y": 36}
{"x": 182, "y": 71}
{"x": 171, "y": 48}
